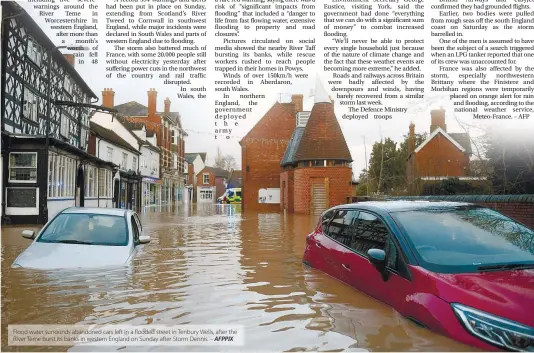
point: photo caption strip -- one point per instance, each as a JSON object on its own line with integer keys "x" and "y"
{"x": 110, "y": 335}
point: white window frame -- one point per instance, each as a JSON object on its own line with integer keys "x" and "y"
{"x": 134, "y": 163}
{"x": 67, "y": 84}
{"x": 34, "y": 51}
{"x": 124, "y": 165}
{"x": 104, "y": 183}
{"x": 110, "y": 154}
{"x": 65, "y": 125}
{"x": 33, "y": 181}
{"x": 204, "y": 175}
{"x": 23, "y": 211}
{"x": 91, "y": 179}
{"x": 30, "y": 106}
{"x": 61, "y": 176}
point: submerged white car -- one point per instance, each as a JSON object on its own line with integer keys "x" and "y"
{"x": 83, "y": 238}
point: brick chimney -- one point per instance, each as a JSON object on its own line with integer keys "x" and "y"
{"x": 70, "y": 58}
{"x": 152, "y": 101}
{"x": 411, "y": 139}
{"x": 437, "y": 117}
{"x": 298, "y": 102}
{"x": 108, "y": 98}
{"x": 167, "y": 106}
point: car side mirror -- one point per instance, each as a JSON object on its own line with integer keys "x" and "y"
{"x": 28, "y": 234}
{"x": 377, "y": 258}
{"x": 144, "y": 239}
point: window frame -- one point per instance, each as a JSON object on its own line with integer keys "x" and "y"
{"x": 10, "y": 167}
{"x": 204, "y": 178}
{"x": 109, "y": 152}
{"x": 134, "y": 163}
{"x": 124, "y": 161}
{"x": 34, "y": 47}
{"x": 30, "y": 110}
{"x": 402, "y": 260}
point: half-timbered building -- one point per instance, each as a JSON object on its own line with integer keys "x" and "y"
{"x": 45, "y": 164}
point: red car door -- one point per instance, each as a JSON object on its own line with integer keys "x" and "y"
{"x": 335, "y": 240}
{"x": 370, "y": 232}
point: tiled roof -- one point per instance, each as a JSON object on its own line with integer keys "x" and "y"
{"x": 463, "y": 140}
{"x": 134, "y": 126}
{"x": 235, "y": 179}
{"x": 218, "y": 172}
{"x": 322, "y": 137}
{"x": 111, "y": 136}
{"x": 137, "y": 109}
{"x": 289, "y": 156}
{"x": 190, "y": 157}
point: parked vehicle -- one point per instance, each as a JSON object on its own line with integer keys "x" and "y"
{"x": 84, "y": 237}
{"x": 232, "y": 196}
{"x": 459, "y": 269}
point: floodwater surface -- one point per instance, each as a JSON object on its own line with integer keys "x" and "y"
{"x": 213, "y": 265}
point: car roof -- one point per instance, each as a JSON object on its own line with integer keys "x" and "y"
{"x": 97, "y": 210}
{"x": 401, "y": 205}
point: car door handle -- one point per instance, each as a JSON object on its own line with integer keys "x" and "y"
{"x": 317, "y": 244}
{"x": 346, "y": 267}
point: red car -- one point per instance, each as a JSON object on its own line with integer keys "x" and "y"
{"x": 458, "y": 269}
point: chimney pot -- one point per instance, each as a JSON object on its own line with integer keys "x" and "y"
{"x": 152, "y": 101}
{"x": 298, "y": 102}
{"x": 437, "y": 117}
{"x": 108, "y": 98}
{"x": 167, "y": 106}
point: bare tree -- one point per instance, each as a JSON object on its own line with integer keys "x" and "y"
{"x": 225, "y": 161}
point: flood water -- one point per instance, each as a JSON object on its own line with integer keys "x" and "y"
{"x": 213, "y": 265}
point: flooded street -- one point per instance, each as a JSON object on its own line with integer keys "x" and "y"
{"x": 214, "y": 266}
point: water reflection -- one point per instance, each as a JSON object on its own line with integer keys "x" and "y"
{"x": 210, "y": 264}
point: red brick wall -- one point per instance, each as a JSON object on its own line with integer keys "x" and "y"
{"x": 440, "y": 158}
{"x": 91, "y": 148}
{"x": 518, "y": 207}
{"x": 220, "y": 186}
{"x": 262, "y": 151}
{"x": 339, "y": 186}
{"x": 200, "y": 179}
{"x": 287, "y": 194}
{"x": 190, "y": 173}
{"x": 521, "y": 211}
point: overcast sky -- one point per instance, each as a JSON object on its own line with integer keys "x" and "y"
{"x": 197, "y": 115}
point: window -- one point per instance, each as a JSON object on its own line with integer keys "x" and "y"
{"x": 110, "y": 154}
{"x": 370, "y": 233}
{"x": 87, "y": 229}
{"x": 134, "y": 163}
{"x": 341, "y": 228}
{"x": 124, "y": 164}
{"x": 206, "y": 195}
{"x": 61, "y": 176}
{"x": 34, "y": 51}
{"x": 143, "y": 162}
{"x": 65, "y": 125}
{"x": 90, "y": 181}
{"x": 67, "y": 84}
{"x": 154, "y": 167}
{"x": 105, "y": 181}
{"x": 29, "y": 109}
{"x": 23, "y": 167}
{"x": 21, "y": 197}
{"x": 205, "y": 178}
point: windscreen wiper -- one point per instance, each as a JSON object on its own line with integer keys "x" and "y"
{"x": 74, "y": 242}
{"x": 504, "y": 267}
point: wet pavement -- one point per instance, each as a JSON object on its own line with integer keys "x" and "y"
{"x": 213, "y": 265}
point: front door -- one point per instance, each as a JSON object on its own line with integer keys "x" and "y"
{"x": 318, "y": 197}
{"x": 80, "y": 187}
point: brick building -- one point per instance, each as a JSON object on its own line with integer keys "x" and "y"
{"x": 167, "y": 127}
{"x": 262, "y": 149}
{"x": 442, "y": 155}
{"x": 211, "y": 183}
{"x": 316, "y": 165}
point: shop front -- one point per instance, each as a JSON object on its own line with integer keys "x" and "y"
{"x": 129, "y": 195}
{"x": 151, "y": 190}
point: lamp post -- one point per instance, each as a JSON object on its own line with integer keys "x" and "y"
{"x": 49, "y": 110}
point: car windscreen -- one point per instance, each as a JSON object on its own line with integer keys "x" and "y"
{"x": 465, "y": 239}
{"x": 86, "y": 229}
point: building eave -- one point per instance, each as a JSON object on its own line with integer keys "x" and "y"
{"x": 434, "y": 134}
